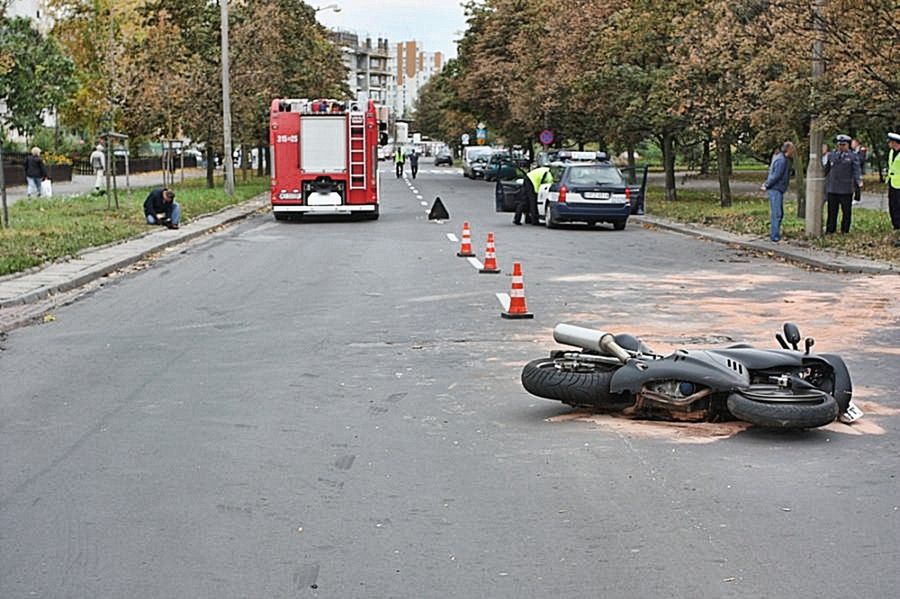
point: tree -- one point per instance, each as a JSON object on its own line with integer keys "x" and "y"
{"x": 35, "y": 75}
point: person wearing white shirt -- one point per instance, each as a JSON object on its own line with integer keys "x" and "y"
{"x": 98, "y": 163}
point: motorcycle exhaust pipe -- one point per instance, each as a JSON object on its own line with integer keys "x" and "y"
{"x": 589, "y": 339}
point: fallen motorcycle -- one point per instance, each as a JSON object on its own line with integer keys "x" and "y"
{"x": 774, "y": 388}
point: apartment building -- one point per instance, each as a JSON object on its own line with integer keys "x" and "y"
{"x": 413, "y": 67}
{"x": 368, "y": 65}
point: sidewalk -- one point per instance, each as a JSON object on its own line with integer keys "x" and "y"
{"x": 39, "y": 283}
{"x": 788, "y": 250}
{"x": 82, "y": 184}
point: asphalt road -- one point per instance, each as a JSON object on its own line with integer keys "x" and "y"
{"x": 332, "y": 409}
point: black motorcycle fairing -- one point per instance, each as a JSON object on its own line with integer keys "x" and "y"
{"x": 762, "y": 359}
{"x": 843, "y": 388}
{"x": 706, "y": 368}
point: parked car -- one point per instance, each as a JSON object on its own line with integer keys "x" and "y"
{"x": 497, "y": 159}
{"x": 475, "y": 161}
{"x": 443, "y": 157}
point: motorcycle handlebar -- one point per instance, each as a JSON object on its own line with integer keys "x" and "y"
{"x": 590, "y": 339}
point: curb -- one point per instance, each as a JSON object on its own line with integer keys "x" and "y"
{"x": 102, "y": 268}
{"x": 817, "y": 258}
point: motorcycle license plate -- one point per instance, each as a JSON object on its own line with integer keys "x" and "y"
{"x": 596, "y": 195}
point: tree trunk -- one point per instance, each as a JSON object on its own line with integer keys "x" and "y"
{"x": 260, "y": 168}
{"x": 245, "y": 161}
{"x": 210, "y": 166}
{"x": 668, "y": 150}
{"x": 630, "y": 154}
{"x": 723, "y": 159}
{"x": 704, "y": 160}
{"x": 799, "y": 167}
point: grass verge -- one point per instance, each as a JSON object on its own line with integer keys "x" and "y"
{"x": 46, "y": 230}
{"x": 870, "y": 234}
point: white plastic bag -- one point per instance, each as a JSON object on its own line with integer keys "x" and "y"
{"x": 46, "y": 188}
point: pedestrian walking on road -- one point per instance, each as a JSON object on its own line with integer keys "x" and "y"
{"x": 399, "y": 160}
{"x": 414, "y": 163}
{"x": 98, "y": 163}
{"x": 893, "y": 183}
{"x": 860, "y": 151}
{"x": 160, "y": 208}
{"x": 776, "y": 185}
{"x": 35, "y": 172}
{"x": 842, "y": 176}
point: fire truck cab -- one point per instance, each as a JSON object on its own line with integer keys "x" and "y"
{"x": 324, "y": 157}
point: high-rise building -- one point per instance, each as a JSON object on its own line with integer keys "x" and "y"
{"x": 368, "y": 65}
{"x": 413, "y": 67}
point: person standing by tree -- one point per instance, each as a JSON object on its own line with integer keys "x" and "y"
{"x": 98, "y": 163}
{"x": 893, "y": 184}
{"x": 399, "y": 160}
{"x": 860, "y": 151}
{"x": 35, "y": 171}
{"x": 842, "y": 175}
{"x": 776, "y": 185}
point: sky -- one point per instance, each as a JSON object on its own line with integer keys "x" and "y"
{"x": 434, "y": 23}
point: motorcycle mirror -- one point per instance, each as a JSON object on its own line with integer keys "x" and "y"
{"x": 809, "y": 343}
{"x": 792, "y": 334}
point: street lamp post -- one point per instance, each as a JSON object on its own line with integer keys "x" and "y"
{"x": 815, "y": 178}
{"x": 226, "y": 103}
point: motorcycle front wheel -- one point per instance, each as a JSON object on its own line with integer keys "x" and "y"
{"x": 770, "y": 406}
{"x": 586, "y": 386}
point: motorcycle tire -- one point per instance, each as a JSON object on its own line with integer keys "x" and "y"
{"x": 589, "y": 389}
{"x": 813, "y": 408}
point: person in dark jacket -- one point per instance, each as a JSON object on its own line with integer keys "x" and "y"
{"x": 776, "y": 185}
{"x": 842, "y": 177}
{"x": 35, "y": 172}
{"x": 414, "y": 163}
{"x": 860, "y": 151}
{"x": 160, "y": 208}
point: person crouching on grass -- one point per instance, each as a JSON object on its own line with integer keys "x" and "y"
{"x": 160, "y": 208}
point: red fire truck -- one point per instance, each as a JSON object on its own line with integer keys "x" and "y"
{"x": 324, "y": 158}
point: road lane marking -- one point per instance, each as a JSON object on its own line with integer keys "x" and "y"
{"x": 452, "y": 237}
{"x": 504, "y": 300}
{"x": 424, "y": 203}
{"x": 476, "y": 263}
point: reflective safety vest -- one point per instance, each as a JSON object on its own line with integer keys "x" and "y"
{"x": 894, "y": 169}
{"x": 539, "y": 176}
{"x": 398, "y": 157}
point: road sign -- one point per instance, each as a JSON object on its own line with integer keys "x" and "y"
{"x": 480, "y": 141}
{"x": 481, "y": 133}
{"x": 546, "y": 137}
{"x": 465, "y": 139}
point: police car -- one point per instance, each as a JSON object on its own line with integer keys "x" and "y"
{"x": 587, "y": 188}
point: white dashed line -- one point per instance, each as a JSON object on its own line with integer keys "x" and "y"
{"x": 452, "y": 237}
{"x": 424, "y": 203}
{"x": 476, "y": 263}
{"x": 504, "y": 300}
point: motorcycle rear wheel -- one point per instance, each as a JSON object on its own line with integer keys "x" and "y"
{"x": 588, "y": 388}
{"x": 772, "y": 407}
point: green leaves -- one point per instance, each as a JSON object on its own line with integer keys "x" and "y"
{"x": 34, "y": 73}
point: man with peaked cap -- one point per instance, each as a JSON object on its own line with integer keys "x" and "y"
{"x": 842, "y": 176}
{"x": 893, "y": 183}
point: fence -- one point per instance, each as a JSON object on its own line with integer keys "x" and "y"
{"x": 136, "y": 165}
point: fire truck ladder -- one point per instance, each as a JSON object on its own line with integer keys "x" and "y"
{"x": 357, "y": 150}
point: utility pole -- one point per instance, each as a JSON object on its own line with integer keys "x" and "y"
{"x": 815, "y": 181}
{"x": 3, "y": 184}
{"x": 226, "y": 103}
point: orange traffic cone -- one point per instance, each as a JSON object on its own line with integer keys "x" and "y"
{"x": 517, "y": 307}
{"x": 465, "y": 248}
{"x": 490, "y": 258}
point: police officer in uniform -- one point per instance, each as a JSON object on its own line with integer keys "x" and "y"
{"x": 842, "y": 176}
{"x": 893, "y": 183}
{"x": 532, "y": 186}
